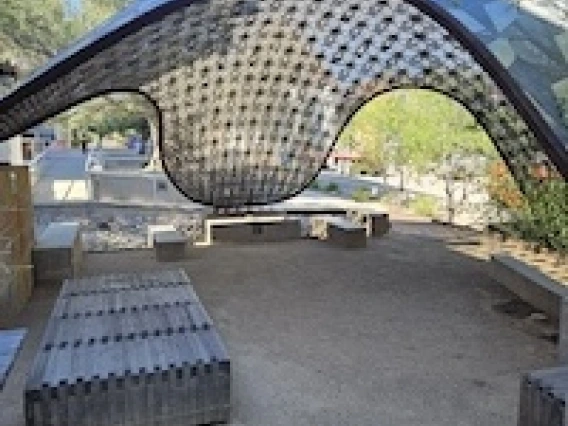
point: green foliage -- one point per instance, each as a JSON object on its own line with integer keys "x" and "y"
{"x": 362, "y": 195}
{"x": 32, "y": 31}
{"x": 543, "y": 216}
{"x": 414, "y": 127}
{"x": 116, "y": 113}
{"x": 315, "y": 185}
{"x": 332, "y": 187}
{"x": 424, "y": 205}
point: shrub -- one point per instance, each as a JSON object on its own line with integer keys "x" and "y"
{"x": 424, "y": 205}
{"x": 501, "y": 187}
{"x": 542, "y": 217}
{"x": 332, "y": 187}
{"x": 315, "y": 185}
{"x": 362, "y": 195}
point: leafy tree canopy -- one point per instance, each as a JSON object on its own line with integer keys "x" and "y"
{"x": 415, "y": 127}
{"x": 33, "y": 31}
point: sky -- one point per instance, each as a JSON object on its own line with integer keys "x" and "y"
{"x": 72, "y": 7}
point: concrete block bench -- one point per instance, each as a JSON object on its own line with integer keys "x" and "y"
{"x": 10, "y": 344}
{"x": 58, "y": 253}
{"x": 543, "y": 398}
{"x": 170, "y": 246}
{"x": 344, "y": 233}
{"x": 252, "y": 229}
{"x": 376, "y": 223}
{"x": 153, "y": 229}
{"x": 538, "y": 290}
{"x": 127, "y": 349}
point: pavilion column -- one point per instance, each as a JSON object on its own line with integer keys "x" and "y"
{"x": 155, "y": 163}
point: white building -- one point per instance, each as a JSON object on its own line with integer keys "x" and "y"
{"x": 24, "y": 148}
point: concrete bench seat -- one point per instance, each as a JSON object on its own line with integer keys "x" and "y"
{"x": 537, "y": 289}
{"x": 252, "y": 229}
{"x": 10, "y": 344}
{"x": 57, "y": 254}
{"x": 377, "y": 223}
{"x": 170, "y": 246}
{"x": 344, "y": 233}
{"x": 129, "y": 349}
{"x": 152, "y": 230}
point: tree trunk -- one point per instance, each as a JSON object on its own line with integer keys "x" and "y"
{"x": 155, "y": 163}
{"x": 449, "y": 200}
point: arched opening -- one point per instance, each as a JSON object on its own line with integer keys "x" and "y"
{"x": 247, "y": 99}
{"x": 408, "y": 141}
{"x": 235, "y": 66}
{"x": 107, "y": 150}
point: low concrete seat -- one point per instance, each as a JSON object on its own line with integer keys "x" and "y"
{"x": 538, "y": 290}
{"x": 170, "y": 246}
{"x": 58, "y": 253}
{"x": 10, "y": 344}
{"x": 344, "y": 233}
{"x": 376, "y": 223}
{"x": 318, "y": 226}
{"x": 153, "y": 229}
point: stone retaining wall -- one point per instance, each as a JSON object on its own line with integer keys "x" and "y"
{"x": 109, "y": 227}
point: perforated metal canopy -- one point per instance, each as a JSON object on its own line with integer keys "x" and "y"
{"x": 252, "y": 94}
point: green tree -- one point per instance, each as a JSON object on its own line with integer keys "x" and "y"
{"x": 416, "y": 128}
{"x": 32, "y": 31}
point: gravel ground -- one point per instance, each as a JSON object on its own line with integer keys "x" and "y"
{"x": 403, "y": 333}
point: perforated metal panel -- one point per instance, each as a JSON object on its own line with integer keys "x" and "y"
{"x": 254, "y": 93}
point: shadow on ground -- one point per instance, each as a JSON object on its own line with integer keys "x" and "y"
{"x": 402, "y": 333}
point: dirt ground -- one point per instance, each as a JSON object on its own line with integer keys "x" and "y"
{"x": 405, "y": 332}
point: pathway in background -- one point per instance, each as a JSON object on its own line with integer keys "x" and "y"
{"x": 63, "y": 177}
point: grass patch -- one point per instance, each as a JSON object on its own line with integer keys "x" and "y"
{"x": 362, "y": 195}
{"x": 332, "y": 187}
{"x": 424, "y": 205}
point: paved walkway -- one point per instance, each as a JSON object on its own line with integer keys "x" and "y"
{"x": 403, "y": 333}
{"x": 62, "y": 177}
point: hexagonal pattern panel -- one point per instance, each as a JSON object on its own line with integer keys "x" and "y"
{"x": 253, "y": 94}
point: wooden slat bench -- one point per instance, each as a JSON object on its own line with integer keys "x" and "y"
{"x": 129, "y": 349}
{"x": 538, "y": 290}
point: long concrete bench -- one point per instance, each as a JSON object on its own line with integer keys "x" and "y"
{"x": 538, "y": 290}
{"x": 58, "y": 253}
{"x": 252, "y": 229}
